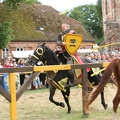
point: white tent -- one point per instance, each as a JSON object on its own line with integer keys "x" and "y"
{"x": 86, "y": 50}
{"x": 22, "y": 54}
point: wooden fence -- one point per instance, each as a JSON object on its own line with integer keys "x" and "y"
{"x": 13, "y": 96}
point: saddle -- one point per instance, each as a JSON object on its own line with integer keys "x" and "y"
{"x": 77, "y": 60}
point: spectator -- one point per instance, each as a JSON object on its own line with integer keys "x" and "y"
{"x": 21, "y": 63}
{"x": 87, "y": 56}
{"x": 1, "y": 66}
{"x": 42, "y": 80}
{"x": 36, "y": 83}
{"x": 7, "y": 64}
{"x": 26, "y": 62}
{"x": 14, "y": 63}
{"x": 9, "y": 55}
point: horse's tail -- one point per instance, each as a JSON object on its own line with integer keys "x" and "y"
{"x": 112, "y": 67}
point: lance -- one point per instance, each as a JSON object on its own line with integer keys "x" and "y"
{"x": 94, "y": 44}
{"x": 107, "y": 45}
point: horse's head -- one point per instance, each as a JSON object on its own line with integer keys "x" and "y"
{"x": 39, "y": 54}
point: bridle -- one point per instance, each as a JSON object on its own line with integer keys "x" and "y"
{"x": 39, "y": 53}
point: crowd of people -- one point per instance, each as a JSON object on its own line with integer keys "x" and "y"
{"x": 104, "y": 56}
{"x": 10, "y": 62}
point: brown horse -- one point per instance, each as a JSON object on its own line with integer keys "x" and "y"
{"x": 113, "y": 67}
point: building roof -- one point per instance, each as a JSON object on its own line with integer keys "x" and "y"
{"x": 41, "y": 22}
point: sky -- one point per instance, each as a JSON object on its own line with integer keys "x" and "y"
{"x": 62, "y": 5}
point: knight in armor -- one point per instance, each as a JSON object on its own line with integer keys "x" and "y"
{"x": 61, "y": 51}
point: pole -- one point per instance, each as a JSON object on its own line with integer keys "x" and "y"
{"x": 84, "y": 89}
{"x": 12, "y": 90}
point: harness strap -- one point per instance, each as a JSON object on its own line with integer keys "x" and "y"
{"x": 61, "y": 88}
{"x": 35, "y": 57}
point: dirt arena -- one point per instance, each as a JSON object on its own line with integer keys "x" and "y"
{"x": 34, "y": 104}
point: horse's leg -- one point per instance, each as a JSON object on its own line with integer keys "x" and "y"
{"x": 52, "y": 92}
{"x": 116, "y": 101}
{"x": 103, "y": 100}
{"x": 66, "y": 98}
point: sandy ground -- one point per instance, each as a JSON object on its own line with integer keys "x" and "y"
{"x": 36, "y": 105}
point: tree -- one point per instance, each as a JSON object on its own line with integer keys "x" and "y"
{"x": 14, "y": 3}
{"x": 99, "y": 13}
{"x": 90, "y": 17}
{"x": 32, "y": 2}
{"x": 5, "y": 26}
{"x": 5, "y": 34}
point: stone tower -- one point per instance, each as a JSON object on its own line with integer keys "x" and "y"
{"x": 111, "y": 22}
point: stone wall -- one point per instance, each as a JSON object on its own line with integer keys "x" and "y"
{"x": 111, "y": 22}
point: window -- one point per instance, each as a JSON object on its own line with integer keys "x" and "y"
{"x": 5, "y": 52}
{"x": 19, "y": 49}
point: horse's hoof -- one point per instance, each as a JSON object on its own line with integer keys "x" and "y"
{"x": 62, "y": 104}
{"x": 86, "y": 115}
{"x": 105, "y": 106}
{"x": 68, "y": 112}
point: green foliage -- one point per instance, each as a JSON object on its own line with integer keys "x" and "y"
{"x": 13, "y": 4}
{"x": 5, "y": 34}
{"x": 91, "y": 18}
{"x": 31, "y": 2}
{"x": 98, "y": 41}
{"x": 99, "y": 13}
{"x": 99, "y": 9}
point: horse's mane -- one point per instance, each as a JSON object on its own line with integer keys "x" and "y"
{"x": 55, "y": 57}
{"x": 51, "y": 56}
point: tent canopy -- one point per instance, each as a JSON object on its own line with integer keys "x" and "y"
{"x": 86, "y": 50}
{"x": 22, "y": 54}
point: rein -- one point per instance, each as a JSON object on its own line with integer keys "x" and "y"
{"x": 35, "y": 57}
{"x": 46, "y": 55}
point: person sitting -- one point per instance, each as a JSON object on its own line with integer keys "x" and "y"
{"x": 61, "y": 45}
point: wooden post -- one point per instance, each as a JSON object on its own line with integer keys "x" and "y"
{"x": 84, "y": 89}
{"x": 12, "y": 90}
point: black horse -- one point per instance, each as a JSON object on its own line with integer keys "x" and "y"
{"x": 58, "y": 79}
